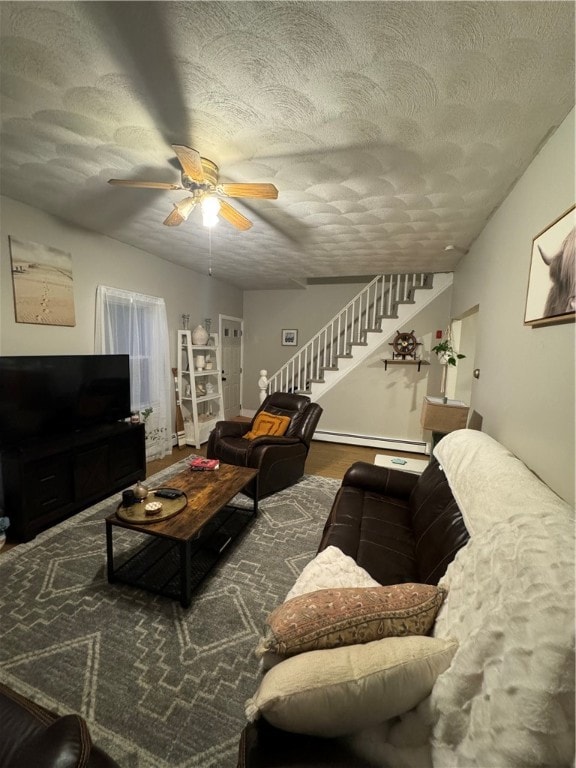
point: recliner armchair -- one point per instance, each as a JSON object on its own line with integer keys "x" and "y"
{"x": 280, "y": 460}
{"x": 31, "y": 735}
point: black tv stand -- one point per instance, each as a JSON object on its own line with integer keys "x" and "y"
{"x": 45, "y": 481}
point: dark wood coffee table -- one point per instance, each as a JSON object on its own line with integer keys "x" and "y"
{"x": 182, "y": 549}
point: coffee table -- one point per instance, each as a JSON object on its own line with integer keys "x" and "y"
{"x": 180, "y": 550}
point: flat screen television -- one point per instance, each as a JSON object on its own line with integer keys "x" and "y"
{"x": 42, "y": 396}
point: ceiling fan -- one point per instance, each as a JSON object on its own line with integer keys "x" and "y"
{"x": 199, "y": 177}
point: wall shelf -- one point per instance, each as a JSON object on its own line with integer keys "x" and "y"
{"x": 389, "y": 361}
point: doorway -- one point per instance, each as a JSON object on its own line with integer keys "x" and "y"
{"x": 232, "y": 349}
{"x": 460, "y": 378}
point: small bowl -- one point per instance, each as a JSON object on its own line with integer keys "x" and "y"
{"x": 153, "y": 508}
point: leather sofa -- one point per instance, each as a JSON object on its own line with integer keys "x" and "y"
{"x": 279, "y": 460}
{"x": 500, "y": 543}
{"x": 398, "y": 526}
{"x": 34, "y": 737}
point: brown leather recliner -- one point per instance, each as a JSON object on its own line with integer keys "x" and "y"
{"x": 280, "y": 460}
{"x": 33, "y": 736}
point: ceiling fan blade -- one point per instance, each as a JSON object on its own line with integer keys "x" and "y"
{"x": 190, "y": 161}
{"x": 144, "y": 184}
{"x": 233, "y": 216}
{"x": 267, "y": 191}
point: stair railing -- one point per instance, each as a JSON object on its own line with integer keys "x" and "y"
{"x": 378, "y": 300}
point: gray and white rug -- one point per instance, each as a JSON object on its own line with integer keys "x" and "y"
{"x": 160, "y": 686}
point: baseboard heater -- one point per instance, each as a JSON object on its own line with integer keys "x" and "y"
{"x": 372, "y": 441}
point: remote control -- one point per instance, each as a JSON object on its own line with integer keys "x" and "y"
{"x": 167, "y": 493}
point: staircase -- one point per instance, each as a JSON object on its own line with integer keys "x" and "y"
{"x": 381, "y": 308}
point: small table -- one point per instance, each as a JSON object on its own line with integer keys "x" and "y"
{"x": 416, "y": 466}
{"x": 183, "y": 548}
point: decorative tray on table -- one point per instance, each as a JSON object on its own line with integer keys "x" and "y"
{"x": 143, "y": 512}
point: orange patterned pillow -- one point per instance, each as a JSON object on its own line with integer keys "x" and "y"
{"x": 330, "y": 618}
{"x": 268, "y": 424}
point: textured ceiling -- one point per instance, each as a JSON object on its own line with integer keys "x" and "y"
{"x": 391, "y": 129}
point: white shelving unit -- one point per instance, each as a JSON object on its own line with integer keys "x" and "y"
{"x": 200, "y": 386}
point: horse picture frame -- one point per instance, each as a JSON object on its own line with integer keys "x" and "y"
{"x": 551, "y": 294}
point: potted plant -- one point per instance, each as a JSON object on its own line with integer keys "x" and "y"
{"x": 446, "y": 353}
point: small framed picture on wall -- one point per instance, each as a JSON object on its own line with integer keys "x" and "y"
{"x": 289, "y": 338}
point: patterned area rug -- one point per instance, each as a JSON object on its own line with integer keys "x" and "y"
{"x": 160, "y": 686}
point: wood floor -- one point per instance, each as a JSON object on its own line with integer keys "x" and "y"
{"x": 324, "y": 459}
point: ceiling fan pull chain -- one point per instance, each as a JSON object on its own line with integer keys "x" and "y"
{"x": 210, "y": 251}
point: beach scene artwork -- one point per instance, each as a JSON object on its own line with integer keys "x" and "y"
{"x": 43, "y": 284}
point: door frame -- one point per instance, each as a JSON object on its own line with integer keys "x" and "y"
{"x": 464, "y": 370}
{"x": 221, "y": 337}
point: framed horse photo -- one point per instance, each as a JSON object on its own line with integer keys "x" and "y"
{"x": 551, "y": 296}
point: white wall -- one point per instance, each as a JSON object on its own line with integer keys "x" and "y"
{"x": 266, "y": 313}
{"x": 374, "y": 402}
{"x": 100, "y": 260}
{"x": 369, "y": 401}
{"x": 525, "y": 393}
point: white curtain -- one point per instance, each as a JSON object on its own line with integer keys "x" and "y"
{"x": 135, "y": 324}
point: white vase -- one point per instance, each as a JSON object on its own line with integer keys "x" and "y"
{"x": 199, "y": 335}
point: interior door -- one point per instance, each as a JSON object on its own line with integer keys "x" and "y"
{"x": 231, "y": 348}
{"x": 460, "y": 377}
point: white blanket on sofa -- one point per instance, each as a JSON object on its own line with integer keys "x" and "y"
{"x": 508, "y": 697}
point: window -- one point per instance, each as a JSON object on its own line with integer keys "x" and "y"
{"x": 135, "y": 324}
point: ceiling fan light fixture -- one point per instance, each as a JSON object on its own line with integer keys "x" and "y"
{"x": 185, "y": 207}
{"x": 210, "y": 210}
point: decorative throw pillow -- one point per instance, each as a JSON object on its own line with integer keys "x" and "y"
{"x": 268, "y": 424}
{"x": 331, "y": 569}
{"x": 330, "y": 618}
{"x": 343, "y": 690}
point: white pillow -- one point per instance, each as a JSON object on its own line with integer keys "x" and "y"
{"x": 331, "y": 569}
{"x": 339, "y": 691}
